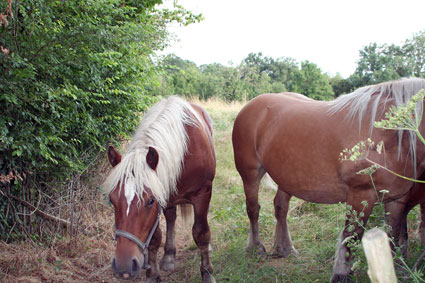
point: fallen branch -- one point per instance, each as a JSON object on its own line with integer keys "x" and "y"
{"x": 40, "y": 213}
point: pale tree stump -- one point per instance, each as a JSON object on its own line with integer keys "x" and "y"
{"x": 379, "y": 258}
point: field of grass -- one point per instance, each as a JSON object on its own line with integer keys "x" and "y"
{"x": 314, "y": 229}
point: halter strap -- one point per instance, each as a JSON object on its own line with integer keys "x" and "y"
{"x": 143, "y": 246}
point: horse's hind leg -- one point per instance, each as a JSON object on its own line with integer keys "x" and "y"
{"x": 251, "y": 181}
{"x": 422, "y": 225}
{"x": 201, "y": 230}
{"x": 403, "y": 241}
{"x": 396, "y": 215}
{"x": 282, "y": 242}
{"x": 168, "y": 260}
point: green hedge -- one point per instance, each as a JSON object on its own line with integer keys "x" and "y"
{"x": 75, "y": 75}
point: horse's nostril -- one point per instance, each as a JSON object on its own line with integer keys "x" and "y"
{"x": 135, "y": 267}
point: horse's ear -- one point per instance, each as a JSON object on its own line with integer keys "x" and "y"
{"x": 113, "y": 156}
{"x": 152, "y": 158}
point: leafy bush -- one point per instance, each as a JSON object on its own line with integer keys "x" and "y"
{"x": 75, "y": 75}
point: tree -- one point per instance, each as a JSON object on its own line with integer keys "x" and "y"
{"x": 376, "y": 64}
{"x": 341, "y": 85}
{"x": 414, "y": 50}
{"x": 379, "y": 63}
{"x": 279, "y": 70}
{"x": 311, "y": 82}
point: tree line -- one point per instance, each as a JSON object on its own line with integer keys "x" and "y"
{"x": 258, "y": 74}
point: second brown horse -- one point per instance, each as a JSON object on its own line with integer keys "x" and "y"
{"x": 298, "y": 142}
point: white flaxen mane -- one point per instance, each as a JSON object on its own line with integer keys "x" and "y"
{"x": 162, "y": 128}
{"x": 396, "y": 92}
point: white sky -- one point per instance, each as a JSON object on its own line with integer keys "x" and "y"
{"x": 329, "y": 33}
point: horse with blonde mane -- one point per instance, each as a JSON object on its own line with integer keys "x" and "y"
{"x": 298, "y": 142}
{"x": 170, "y": 161}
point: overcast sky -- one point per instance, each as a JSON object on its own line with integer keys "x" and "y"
{"x": 329, "y": 33}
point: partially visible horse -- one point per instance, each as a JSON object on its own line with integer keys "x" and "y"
{"x": 170, "y": 161}
{"x": 298, "y": 142}
{"x": 402, "y": 207}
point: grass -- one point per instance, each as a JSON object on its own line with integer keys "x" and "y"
{"x": 314, "y": 229}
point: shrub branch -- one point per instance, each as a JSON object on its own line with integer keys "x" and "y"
{"x": 40, "y": 213}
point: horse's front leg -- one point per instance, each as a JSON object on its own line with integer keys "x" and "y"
{"x": 168, "y": 260}
{"x": 357, "y": 217}
{"x": 283, "y": 246}
{"x": 152, "y": 274}
{"x": 201, "y": 231}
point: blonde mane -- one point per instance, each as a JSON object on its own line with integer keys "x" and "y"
{"x": 162, "y": 128}
{"x": 399, "y": 92}
{"x": 370, "y": 97}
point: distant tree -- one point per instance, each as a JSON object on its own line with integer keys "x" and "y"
{"x": 279, "y": 70}
{"x": 376, "y": 64}
{"x": 379, "y": 63}
{"x": 182, "y": 76}
{"x": 414, "y": 50}
{"x": 341, "y": 85}
{"x": 311, "y": 82}
{"x": 212, "y": 81}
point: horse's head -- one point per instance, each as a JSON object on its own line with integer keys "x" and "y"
{"x": 136, "y": 219}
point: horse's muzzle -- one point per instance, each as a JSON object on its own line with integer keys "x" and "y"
{"x": 128, "y": 270}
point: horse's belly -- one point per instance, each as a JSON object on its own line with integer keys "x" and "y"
{"x": 319, "y": 196}
{"x": 320, "y": 186}
{"x": 327, "y": 195}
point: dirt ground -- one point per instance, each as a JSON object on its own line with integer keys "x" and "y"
{"x": 87, "y": 259}
{"x": 87, "y": 256}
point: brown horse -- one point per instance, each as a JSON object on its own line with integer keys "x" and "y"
{"x": 170, "y": 161}
{"x": 298, "y": 142}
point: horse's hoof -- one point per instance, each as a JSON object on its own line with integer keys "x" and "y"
{"x": 340, "y": 278}
{"x": 207, "y": 277}
{"x": 153, "y": 280}
{"x": 258, "y": 249}
{"x": 280, "y": 252}
{"x": 167, "y": 263}
{"x": 167, "y": 266}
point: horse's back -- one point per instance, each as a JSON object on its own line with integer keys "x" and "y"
{"x": 199, "y": 164}
{"x": 269, "y": 115}
{"x": 205, "y": 116}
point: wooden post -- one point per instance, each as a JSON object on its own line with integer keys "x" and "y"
{"x": 379, "y": 258}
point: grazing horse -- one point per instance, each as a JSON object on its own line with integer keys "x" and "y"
{"x": 298, "y": 142}
{"x": 170, "y": 161}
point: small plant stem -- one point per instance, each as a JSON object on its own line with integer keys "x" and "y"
{"x": 420, "y": 136}
{"x": 394, "y": 173}
{"x": 374, "y": 188}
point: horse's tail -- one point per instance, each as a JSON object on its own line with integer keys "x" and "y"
{"x": 268, "y": 182}
{"x": 186, "y": 211}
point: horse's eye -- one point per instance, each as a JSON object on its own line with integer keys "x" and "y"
{"x": 151, "y": 201}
